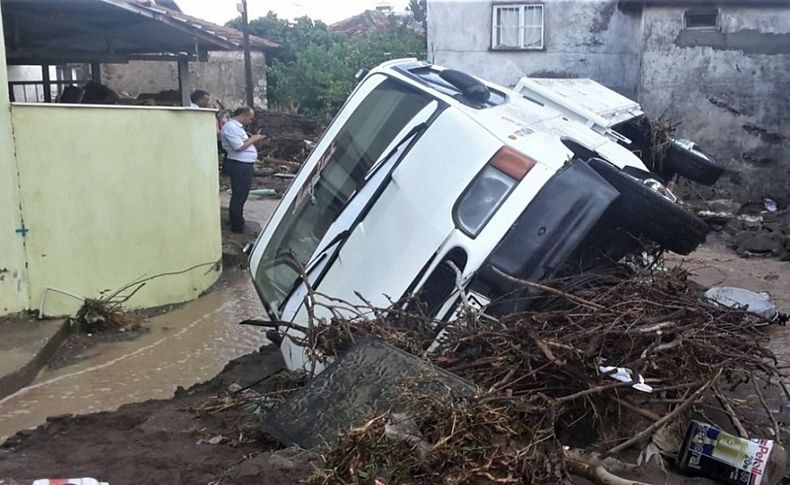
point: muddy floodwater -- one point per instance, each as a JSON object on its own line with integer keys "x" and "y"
{"x": 194, "y": 342}
{"x": 188, "y": 345}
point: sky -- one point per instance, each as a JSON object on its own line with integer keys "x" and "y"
{"x": 329, "y": 11}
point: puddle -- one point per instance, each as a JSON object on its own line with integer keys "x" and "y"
{"x": 184, "y": 347}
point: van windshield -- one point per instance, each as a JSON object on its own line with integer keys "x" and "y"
{"x": 339, "y": 174}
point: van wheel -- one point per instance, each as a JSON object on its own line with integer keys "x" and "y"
{"x": 687, "y": 160}
{"x": 651, "y": 214}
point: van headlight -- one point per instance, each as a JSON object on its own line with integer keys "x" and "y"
{"x": 489, "y": 189}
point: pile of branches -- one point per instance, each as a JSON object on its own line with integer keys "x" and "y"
{"x": 107, "y": 313}
{"x": 546, "y": 381}
{"x": 658, "y": 132}
{"x": 450, "y": 441}
{"x": 103, "y": 315}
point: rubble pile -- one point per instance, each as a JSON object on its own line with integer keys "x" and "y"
{"x": 278, "y": 123}
{"x": 752, "y": 229}
{"x": 289, "y": 138}
{"x": 619, "y": 366}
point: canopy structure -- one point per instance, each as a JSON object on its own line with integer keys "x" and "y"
{"x": 57, "y": 32}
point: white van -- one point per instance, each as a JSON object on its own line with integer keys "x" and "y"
{"x": 622, "y": 120}
{"x": 429, "y": 180}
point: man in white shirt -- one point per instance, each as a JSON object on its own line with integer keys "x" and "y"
{"x": 200, "y": 99}
{"x": 239, "y": 162}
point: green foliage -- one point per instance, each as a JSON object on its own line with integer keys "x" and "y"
{"x": 418, "y": 11}
{"x": 313, "y": 71}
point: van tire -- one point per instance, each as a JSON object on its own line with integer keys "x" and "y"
{"x": 692, "y": 166}
{"x": 650, "y": 214}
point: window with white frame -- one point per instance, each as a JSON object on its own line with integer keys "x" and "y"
{"x": 517, "y": 26}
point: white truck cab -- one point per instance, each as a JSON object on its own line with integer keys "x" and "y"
{"x": 430, "y": 182}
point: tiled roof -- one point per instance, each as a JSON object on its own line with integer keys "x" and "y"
{"x": 364, "y": 23}
{"x": 228, "y": 34}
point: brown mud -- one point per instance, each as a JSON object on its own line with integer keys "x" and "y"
{"x": 163, "y": 441}
{"x": 168, "y": 441}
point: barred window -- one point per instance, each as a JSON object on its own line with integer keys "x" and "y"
{"x": 517, "y": 26}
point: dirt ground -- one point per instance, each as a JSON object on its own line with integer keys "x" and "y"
{"x": 170, "y": 441}
{"x": 167, "y": 441}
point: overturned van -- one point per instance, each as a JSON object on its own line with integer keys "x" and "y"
{"x": 430, "y": 182}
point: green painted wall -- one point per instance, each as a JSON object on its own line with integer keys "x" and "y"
{"x": 13, "y": 286}
{"x": 112, "y": 194}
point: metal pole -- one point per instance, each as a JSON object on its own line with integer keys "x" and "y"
{"x": 247, "y": 59}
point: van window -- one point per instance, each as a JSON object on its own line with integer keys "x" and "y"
{"x": 339, "y": 174}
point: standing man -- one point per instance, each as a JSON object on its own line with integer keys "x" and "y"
{"x": 239, "y": 162}
{"x": 200, "y": 99}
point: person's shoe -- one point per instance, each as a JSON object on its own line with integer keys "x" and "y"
{"x": 237, "y": 230}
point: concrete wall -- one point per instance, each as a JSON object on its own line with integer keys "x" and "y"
{"x": 13, "y": 284}
{"x": 582, "y": 38}
{"x": 222, "y": 76}
{"x": 730, "y": 90}
{"x": 113, "y": 194}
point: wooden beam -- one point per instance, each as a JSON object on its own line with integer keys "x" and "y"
{"x": 160, "y": 57}
{"x": 59, "y": 56}
{"x": 184, "y": 85}
{"x": 34, "y": 59}
{"x": 96, "y": 72}
{"x": 47, "y": 84}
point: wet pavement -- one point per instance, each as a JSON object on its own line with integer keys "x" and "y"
{"x": 183, "y": 347}
{"x": 716, "y": 265}
{"x": 186, "y": 346}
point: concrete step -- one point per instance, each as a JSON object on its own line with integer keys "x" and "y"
{"x": 25, "y": 347}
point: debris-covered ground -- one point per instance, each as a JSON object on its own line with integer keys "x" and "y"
{"x": 753, "y": 229}
{"x": 192, "y": 438}
{"x": 549, "y": 407}
{"x": 287, "y": 143}
{"x": 542, "y": 388}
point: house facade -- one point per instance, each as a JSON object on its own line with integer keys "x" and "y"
{"x": 503, "y": 41}
{"x": 723, "y": 72}
{"x": 720, "y": 68}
